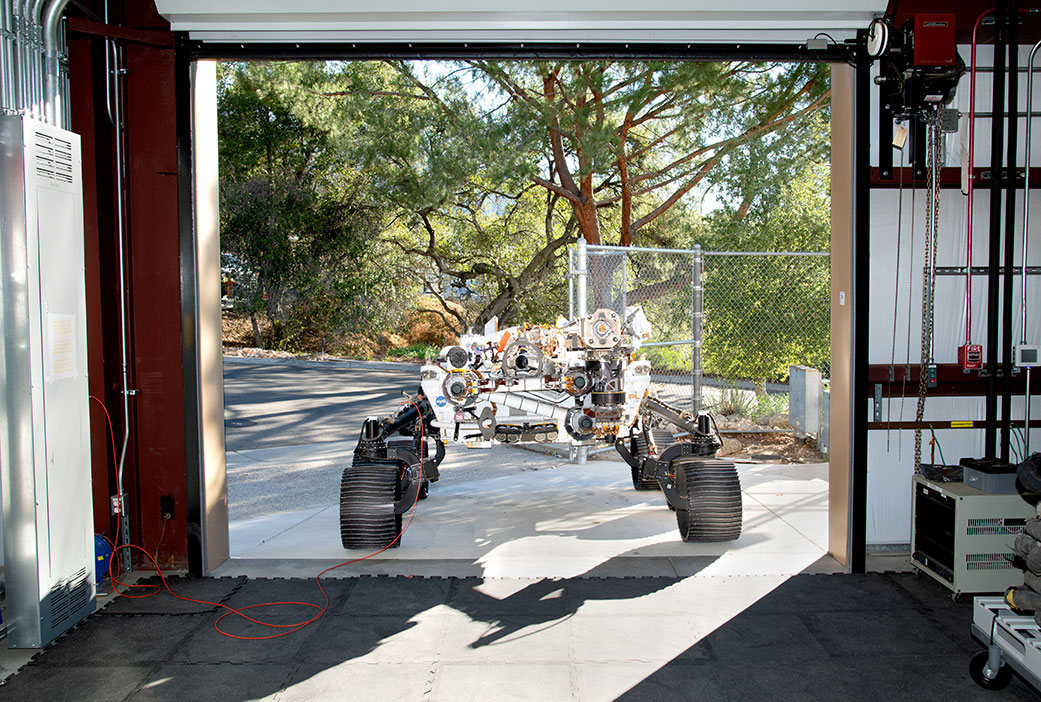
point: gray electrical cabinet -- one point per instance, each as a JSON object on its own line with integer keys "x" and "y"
{"x": 44, "y": 432}
{"x": 963, "y": 537}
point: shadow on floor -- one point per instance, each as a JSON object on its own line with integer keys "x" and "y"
{"x": 163, "y": 648}
{"x": 893, "y": 636}
{"x": 830, "y": 637}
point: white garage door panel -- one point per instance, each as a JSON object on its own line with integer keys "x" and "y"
{"x": 540, "y": 20}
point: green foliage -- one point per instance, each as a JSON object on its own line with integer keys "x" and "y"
{"x": 630, "y": 139}
{"x": 770, "y": 405}
{"x": 419, "y": 350}
{"x": 671, "y": 360}
{"x": 764, "y": 314}
{"x": 488, "y": 169}
{"x": 351, "y": 187}
{"x": 451, "y": 182}
{"x": 733, "y": 402}
{"x": 294, "y": 215}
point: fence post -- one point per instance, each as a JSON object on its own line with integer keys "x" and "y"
{"x": 571, "y": 283}
{"x": 698, "y": 301}
{"x": 581, "y": 276}
{"x": 625, "y": 284}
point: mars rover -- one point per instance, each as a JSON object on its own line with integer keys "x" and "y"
{"x": 577, "y": 381}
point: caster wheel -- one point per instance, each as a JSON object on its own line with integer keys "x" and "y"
{"x": 978, "y": 671}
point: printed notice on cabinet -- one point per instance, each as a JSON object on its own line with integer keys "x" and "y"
{"x": 61, "y": 346}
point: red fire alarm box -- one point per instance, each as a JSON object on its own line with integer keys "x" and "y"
{"x": 970, "y": 357}
{"x": 934, "y": 42}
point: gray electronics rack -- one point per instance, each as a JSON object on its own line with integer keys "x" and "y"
{"x": 963, "y": 537}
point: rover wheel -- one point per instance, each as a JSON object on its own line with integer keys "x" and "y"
{"x": 641, "y": 450}
{"x": 713, "y": 492}
{"x": 367, "y": 495}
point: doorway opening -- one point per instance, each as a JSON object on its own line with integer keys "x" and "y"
{"x": 454, "y": 248}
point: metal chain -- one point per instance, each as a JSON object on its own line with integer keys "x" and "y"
{"x": 929, "y": 278}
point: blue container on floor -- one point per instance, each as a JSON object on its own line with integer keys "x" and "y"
{"x": 102, "y": 555}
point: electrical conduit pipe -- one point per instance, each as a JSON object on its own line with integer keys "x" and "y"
{"x": 52, "y": 95}
{"x": 972, "y": 178}
{"x": 1026, "y": 239}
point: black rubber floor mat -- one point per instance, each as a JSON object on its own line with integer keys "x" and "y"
{"x": 206, "y": 589}
{"x": 813, "y": 637}
{"x": 262, "y": 590}
{"x": 377, "y": 596}
{"x": 139, "y": 640}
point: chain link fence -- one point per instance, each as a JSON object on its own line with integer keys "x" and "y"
{"x": 726, "y": 325}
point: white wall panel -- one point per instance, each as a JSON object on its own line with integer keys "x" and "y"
{"x": 949, "y": 322}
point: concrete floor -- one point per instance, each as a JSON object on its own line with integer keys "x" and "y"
{"x": 538, "y": 517}
{"x": 499, "y": 512}
{"x": 280, "y": 402}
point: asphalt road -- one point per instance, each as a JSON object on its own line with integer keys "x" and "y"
{"x": 270, "y": 402}
{"x": 291, "y": 427}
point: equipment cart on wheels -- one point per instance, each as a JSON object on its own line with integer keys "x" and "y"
{"x": 1013, "y": 643}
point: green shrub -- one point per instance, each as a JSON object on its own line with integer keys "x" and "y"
{"x": 418, "y": 350}
{"x": 734, "y": 401}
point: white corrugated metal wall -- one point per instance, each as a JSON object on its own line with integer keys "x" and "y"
{"x": 891, "y": 455}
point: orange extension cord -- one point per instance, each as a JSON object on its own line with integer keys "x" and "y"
{"x": 288, "y": 628}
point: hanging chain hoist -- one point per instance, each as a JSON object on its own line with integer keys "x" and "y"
{"x": 927, "y": 369}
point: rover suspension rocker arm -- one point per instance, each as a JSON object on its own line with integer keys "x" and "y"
{"x": 702, "y": 442}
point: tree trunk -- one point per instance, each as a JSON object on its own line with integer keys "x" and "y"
{"x": 257, "y": 341}
{"x": 585, "y": 213}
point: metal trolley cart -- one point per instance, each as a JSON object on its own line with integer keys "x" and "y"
{"x": 1013, "y": 642}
